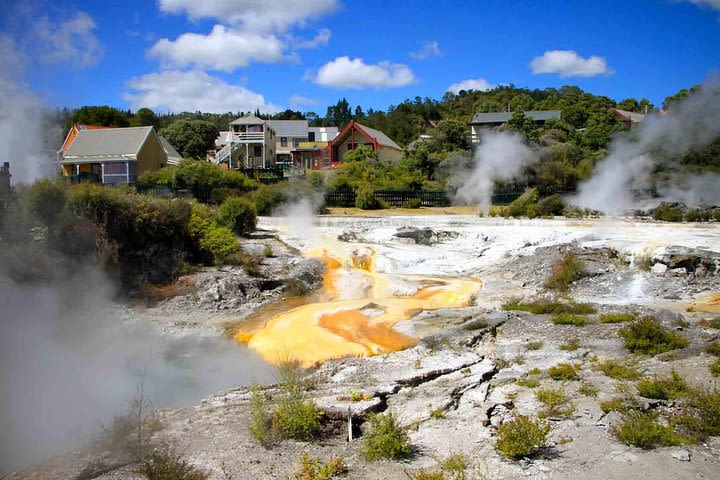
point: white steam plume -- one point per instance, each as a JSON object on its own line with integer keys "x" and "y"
{"x": 26, "y": 131}
{"x": 693, "y": 123}
{"x": 500, "y": 156}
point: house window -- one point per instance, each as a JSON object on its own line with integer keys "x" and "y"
{"x": 311, "y": 136}
{"x": 296, "y": 142}
{"x": 352, "y": 146}
{"x": 283, "y": 141}
{"x": 257, "y": 151}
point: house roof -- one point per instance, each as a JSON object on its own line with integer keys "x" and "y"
{"x": 502, "y": 117}
{"x": 289, "y": 128}
{"x": 379, "y": 136}
{"x": 632, "y": 116}
{"x": 109, "y": 142}
{"x": 173, "y": 157}
{"x": 248, "y": 119}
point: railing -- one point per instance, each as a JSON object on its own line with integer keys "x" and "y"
{"x": 246, "y": 137}
{"x": 394, "y": 198}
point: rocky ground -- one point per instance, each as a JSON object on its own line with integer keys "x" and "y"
{"x": 469, "y": 372}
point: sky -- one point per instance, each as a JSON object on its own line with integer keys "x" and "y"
{"x": 240, "y": 55}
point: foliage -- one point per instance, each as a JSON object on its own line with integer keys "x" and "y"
{"x": 647, "y": 336}
{"x": 536, "y": 345}
{"x": 564, "y": 371}
{"x": 528, "y": 382}
{"x": 551, "y": 206}
{"x": 619, "y": 404}
{"x": 702, "y": 411}
{"x": 267, "y": 198}
{"x": 668, "y": 213}
{"x": 219, "y": 195}
{"x": 669, "y": 388}
{"x": 386, "y": 438}
{"x": 617, "y": 317}
{"x": 555, "y": 403}
{"x": 565, "y": 271}
{"x": 367, "y": 200}
{"x": 546, "y": 306}
{"x": 571, "y": 344}
{"x": 569, "y": 319}
{"x": 46, "y": 200}
{"x": 521, "y": 436}
{"x": 295, "y": 416}
{"x": 166, "y": 465}
{"x": 524, "y": 205}
{"x": 713, "y": 348}
{"x": 191, "y": 138}
{"x": 455, "y": 466}
{"x": 102, "y": 116}
{"x": 260, "y": 425}
{"x": 145, "y": 118}
{"x": 619, "y": 370}
{"x": 588, "y": 389}
{"x": 220, "y": 242}
{"x": 643, "y": 430}
{"x": 238, "y": 214}
{"x": 715, "y": 368}
{"x": 412, "y": 203}
{"x": 198, "y": 176}
{"x": 313, "y": 469}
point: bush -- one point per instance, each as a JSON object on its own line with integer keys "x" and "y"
{"x": 366, "y": 200}
{"x": 647, "y": 336}
{"x": 520, "y": 437}
{"x": 551, "y": 206}
{"x": 555, "y": 402}
{"x": 221, "y": 243}
{"x": 533, "y": 345}
{"x": 619, "y": 404}
{"x": 563, "y": 371}
{"x": 386, "y": 438}
{"x": 702, "y": 411}
{"x": 569, "y": 319}
{"x": 528, "y": 382}
{"x": 164, "y": 465}
{"x": 571, "y": 344}
{"x": 524, "y": 205}
{"x": 46, "y": 200}
{"x": 588, "y": 389}
{"x": 266, "y": 199}
{"x": 219, "y": 195}
{"x": 715, "y": 368}
{"x": 669, "y": 388}
{"x": 238, "y": 214}
{"x": 713, "y": 348}
{"x": 260, "y": 425}
{"x": 619, "y": 370}
{"x": 695, "y": 215}
{"x": 667, "y": 213}
{"x": 545, "y": 306}
{"x": 617, "y": 317}
{"x": 296, "y": 416}
{"x": 313, "y": 469}
{"x": 642, "y": 429}
{"x": 412, "y": 203}
{"x": 567, "y": 270}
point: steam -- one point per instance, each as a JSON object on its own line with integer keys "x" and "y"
{"x": 658, "y": 141}
{"x": 500, "y": 156}
{"x": 69, "y": 361}
{"x": 26, "y": 129}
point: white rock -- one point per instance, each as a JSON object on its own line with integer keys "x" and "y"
{"x": 659, "y": 268}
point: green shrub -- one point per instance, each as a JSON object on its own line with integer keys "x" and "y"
{"x": 366, "y": 200}
{"x": 668, "y": 213}
{"x": 563, "y": 371}
{"x": 260, "y": 424}
{"x": 571, "y": 344}
{"x": 695, "y": 215}
{"x": 702, "y": 411}
{"x": 551, "y": 206}
{"x": 45, "y": 200}
{"x": 668, "y": 388}
{"x": 643, "y": 430}
{"x": 713, "y": 348}
{"x": 567, "y": 270}
{"x": 221, "y": 243}
{"x": 238, "y": 214}
{"x": 715, "y": 368}
{"x": 412, "y": 203}
{"x": 555, "y": 403}
{"x": 569, "y": 319}
{"x": 165, "y": 465}
{"x": 524, "y": 205}
{"x": 588, "y": 389}
{"x": 423, "y": 474}
{"x": 533, "y": 345}
{"x": 520, "y": 437}
{"x": 528, "y": 382}
{"x": 386, "y": 438}
{"x": 455, "y": 465}
{"x": 296, "y": 416}
{"x": 267, "y": 251}
{"x": 219, "y": 195}
{"x": 619, "y": 404}
{"x": 267, "y": 199}
{"x": 546, "y": 306}
{"x": 647, "y": 336}
{"x": 313, "y": 469}
{"x": 619, "y": 370}
{"x": 617, "y": 317}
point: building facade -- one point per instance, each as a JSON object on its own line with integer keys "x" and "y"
{"x": 484, "y": 121}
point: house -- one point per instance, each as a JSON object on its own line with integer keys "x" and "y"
{"x": 311, "y": 155}
{"x": 630, "y": 119}
{"x": 355, "y": 134}
{"x": 111, "y": 155}
{"x": 494, "y": 119}
{"x": 289, "y": 135}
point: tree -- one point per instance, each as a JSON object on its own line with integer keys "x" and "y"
{"x": 454, "y": 134}
{"x": 339, "y": 114}
{"x": 289, "y": 115}
{"x": 629, "y": 104}
{"x": 679, "y": 96}
{"x": 145, "y": 118}
{"x": 521, "y": 123}
{"x": 191, "y": 138}
{"x": 103, "y": 116}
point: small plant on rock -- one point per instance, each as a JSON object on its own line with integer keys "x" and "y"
{"x": 619, "y": 370}
{"x": 521, "y": 437}
{"x": 647, "y": 336}
{"x": 528, "y": 382}
{"x": 617, "y": 317}
{"x": 455, "y": 466}
{"x": 545, "y": 306}
{"x": 643, "y": 430}
{"x": 567, "y": 270}
{"x": 715, "y": 368}
{"x": 571, "y": 344}
{"x": 314, "y": 469}
{"x": 533, "y": 345}
{"x": 702, "y": 411}
{"x": 166, "y": 465}
{"x": 668, "y": 388}
{"x": 588, "y": 389}
{"x": 555, "y": 403}
{"x": 564, "y": 371}
{"x": 260, "y": 425}
{"x": 713, "y": 348}
{"x": 386, "y": 439}
{"x": 569, "y": 319}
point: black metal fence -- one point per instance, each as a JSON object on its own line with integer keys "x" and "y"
{"x": 394, "y": 198}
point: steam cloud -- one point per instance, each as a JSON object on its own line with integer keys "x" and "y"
{"x": 69, "y": 362}
{"x": 693, "y": 123}
{"x": 500, "y": 156}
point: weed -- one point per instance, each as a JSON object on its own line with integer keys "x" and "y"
{"x": 569, "y": 319}
{"x": 567, "y": 270}
{"x": 166, "y": 465}
{"x": 619, "y": 370}
{"x": 564, "y": 371}
{"x": 588, "y": 389}
{"x": 619, "y": 404}
{"x": 565, "y": 440}
{"x": 437, "y": 413}
{"x": 643, "y": 430}
{"x": 713, "y": 348}
{"x": 571, "y": 344}
{"x": 617, "y": 317}
{"x": 715, "y": 368}
{"x": 251, "y": 264}
{"x": 519, "y": 360}
{"x": 647, "y": 336}
{"x": 455, "y": 466}
{"x": 555, "y": 403}
{"x": 668, "y": 388}
{"x": 528, "y": 382}
{"x": 386, "y": 438}
{"x": 643, "y": 262}
{"x": 533, "y": 345}
{"x": 412, "y": 203}
{"x": 313, "y": 469}
{"x": 702, "y": 411}
{"x": 260, "y": 425}
{"x": 295, "y": 416}
{"x": 423, "y": 474}
{"x": 356, "y": 395}
{"x": 520, "y": 437}
{"x": 544, "y": 306}
{"x": 668, "y": 213}
{"x": 267, "y": 251}
{"x": 535, "y": 371}
{"x": 501, "y": 363}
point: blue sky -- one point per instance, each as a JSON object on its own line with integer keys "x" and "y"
{"x": 228, "y": 55}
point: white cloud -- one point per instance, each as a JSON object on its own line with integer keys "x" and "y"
{"x": 191, "y": 91}
{"x": 222, "y": 49}
{"x": 320, "y": 40}
{"x": 299, "y": 101}
{"x": 714, "y": 4}
{"x": 253, "y": 14}
{"x": 479, "y": 84}
{"x": 71, "y": 41}
{"x": 346, "y": 73}
{"x": 568, "y": 63}
{"x": 429, "y": 49}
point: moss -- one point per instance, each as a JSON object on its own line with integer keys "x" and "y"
{"x": 643, "y": 430}
{"x": 668, "y": 388}
{"x": 619, "y": 370}
{"x": 386, "y": 438}
{"x": 533, "y": 345}
{"x": 564, "y": 371}
{"x": 569, "y": 319}
{"x": 521, "y": 436}
{"x": 566, "y": 271}
{"x": 647, "y": 336}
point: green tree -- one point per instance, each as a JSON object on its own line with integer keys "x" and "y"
{"x": 679, "y": 96}
{"x": 340, "y": 114}
{"x": 630, "y": 104}
{"x": 145, "y": 118}
{"x": 192, "y": 138}
{"x": 454, "y": 134}
{"x": 103, "y": 116}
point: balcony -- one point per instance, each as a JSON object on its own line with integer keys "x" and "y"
{"x": 247, "y": 137}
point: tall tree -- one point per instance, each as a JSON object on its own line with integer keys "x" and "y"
{"x": 340, "y": 114}
{"x": 103, "y": 116}
{"x": 145, "y": 118}
{"x": 191, "y": 138}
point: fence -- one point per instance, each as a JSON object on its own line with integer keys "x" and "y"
{"x": 394, "y": 198}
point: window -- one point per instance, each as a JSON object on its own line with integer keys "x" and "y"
{"x": 296, "y": 141}
{"x": 257, "y": 151}
{"x": 351, "y": 146}
{"x": 283, "y": 141}
{"x": 311, "y": 136}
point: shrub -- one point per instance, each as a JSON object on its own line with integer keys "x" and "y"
{"x": 366, "y": 200}
{"x": 647, "y": 336}
{"x": 238, "y": 214}
{"x": 715, "y": 368}
{"x": 571, "y": 344}
{"x": 668, "y": 388}
{"x": 386, "y": 438}
{"x": 165, "y": 465}
{"x": 528, "y": 382}
{"x": 563, "y": 371}
{"x": 266, "y": 199}
{"x": 296, "y": 416}
{"x": 455, "y": 465}
{"x": 702, "y": 411}
{"x": 588, "y": 389}
{"x": 524, "y": 205}
{"x": 423, "y": 474}
{"x": 260, "y": 425}
{"x": 313, "y": 469}
{"x": 567, "y": 270}
{"x": 45, "y": 199}
{"x": 520, "y": 437}
{"x": 619, "y": 404}
{"x": 668, "y": 213}
{"x": 545, "y": 306}
{"x": 713, "y": 348}
{"x": 619, "y": 370}
{"x": 569, "y": 319}
{"x": 617, "y": 317}
{"x": 551, "y": 206}
{"x": 642, "y": 429}
{"x": 267, "y": 251}
{"x": 412, "y": 203}
{"x": 221, "y": 243}
{"x": 695, "y": 215}
{"x": 555, "y": 403}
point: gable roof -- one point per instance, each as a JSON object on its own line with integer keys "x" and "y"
{"x": 110, "y": 142}
{"x": 502, "y": 117}
{"x": 173, "y": 157}
{"x": 632, "y": 116}
{"x": 247, "y": 120}
{"x": 379, "y": 136}
{"x": 289, "y": 128}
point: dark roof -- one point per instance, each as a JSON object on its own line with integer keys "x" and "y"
{"x": 110, "y": 142}
{"x": 502, "y": 117}
{"x": 632, "y": 116}
{"x": 289, "y": 128}
{"x": 379, "y": 136}
{"x": 248, "y": 120}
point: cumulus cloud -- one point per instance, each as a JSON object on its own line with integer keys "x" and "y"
{"x": 71, "y": 41}
{"x": 714, "y": 4}
{"x": 320, "y": 40}
{"x": 252, "y": 14}
{"x": 344, "y": 72}
{"x": 479, "y": 84}
{"x": 567, "y": 63}
{"x": 192, "y": 91}
{"x": 429, "y": 49}
{"x": 222, "y": 49}
{"x": 298, "y": 101}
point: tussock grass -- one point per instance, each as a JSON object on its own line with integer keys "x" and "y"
{"x": 386, "y": 439}
{"x": 701, "y": 411}
{"x": 713, "y": 348}
{"x": 555, "y": 403}
{"x": 569, "y": 319}
{"x": 166, "y": 465}
{"x": 647, "y": 336}
{"x": 533, "y": 345}
{"x": 528, "y": 382}
{"x": 566, "y": 271}
{"x": 571, "y": 344}
{"x": 619, "y": 404}
{"x": 521, "y": 436}
{"x": 310, "y": 468}
{"x": 619, "y": 370}
{"x": 544, "y": 306}
{"x": 617, "y": 317}
{"x": 643, "y": 430}
{"x": 669, "y": 388}
{"x": 564, "y": 371}
{"x": 588, "y": 389}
